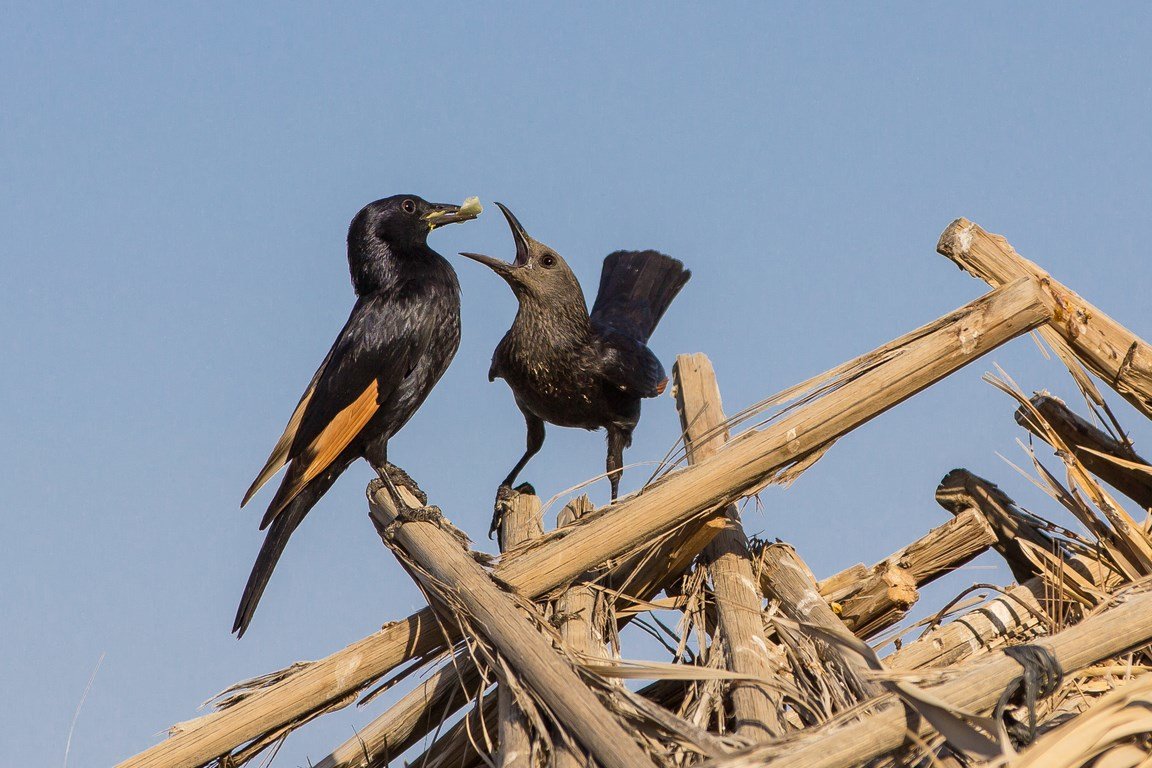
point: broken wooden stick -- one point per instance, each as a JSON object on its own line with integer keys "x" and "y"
{"x": 788, "y": 581}
{"x": 862, "y": 390}
{"x": 1119, "y": 357}
{"x": 890, "y": 588}
{"x": 961, "y": 491}
{"x": 1088, "y": 442}
{"x": 520, "y": 522}
{"x": 738, "y": 603}
{"x": 580, "y": 627}
{"x": 445, "y": 568}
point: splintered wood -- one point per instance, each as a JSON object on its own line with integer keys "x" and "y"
{"x": 769, "y": 665}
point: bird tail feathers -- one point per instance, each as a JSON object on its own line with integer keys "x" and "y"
{"x": 282, "y": 527}
{"x": 636, "y": 288}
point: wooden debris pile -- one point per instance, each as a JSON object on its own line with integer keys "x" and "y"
{"x": 521, "y": 661}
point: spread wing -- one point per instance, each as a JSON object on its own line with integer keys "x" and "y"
{"x": 373, "y": 354}
{"x": 630, "y": 366}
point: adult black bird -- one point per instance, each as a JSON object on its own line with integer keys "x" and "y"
{"x": 397, "y": 343}
{"x": 575, "y": 369}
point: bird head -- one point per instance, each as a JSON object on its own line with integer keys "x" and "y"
{"x": 537, "y": 272}
{"x": 395, "y": 227}
{"x": 406, "y": 219}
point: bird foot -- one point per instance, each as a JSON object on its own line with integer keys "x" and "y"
{"x": 504, "y": 496}
{"x": 560, "y": 618}
{"x": 398, "y": 477}
{"x": 429, "y": 513}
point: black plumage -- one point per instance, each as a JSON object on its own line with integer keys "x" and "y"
{"x": 397, "y": 343}
{"x": 573, "y": 368}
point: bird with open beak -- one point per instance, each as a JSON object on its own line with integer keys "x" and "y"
{"x": 573, "y": 368}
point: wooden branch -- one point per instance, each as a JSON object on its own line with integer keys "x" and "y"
{"x": 579, "y": 629}
{"x": 405, "y": 723}
{"x": 890, "y": 589}
{"x": 1018, "y": 614}
{"x": 1080, "y": 434}
{"x": 973, "y": 687}
{"x": 738, "y": 603}
{"x": 840, "y": 586}
{"x": 520, "y": 522}
{"x": 862, "y": 390}
{"x": 787, "y": 580}
{"x": 446, "y": 567}
{"x": 1119, "y": 357}
{"x": 961, "y": 491}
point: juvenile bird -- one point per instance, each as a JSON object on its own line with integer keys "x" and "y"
{"x": 575, "y": 369}
{"x": 397, "y": 343}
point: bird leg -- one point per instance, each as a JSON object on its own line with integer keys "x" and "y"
{"x": 617, "y": 439}
{"x": 405, "y": 512}
{"x": 505, "y": 493}
{"x": 504, "y": 497}
{"x": 400, "y": 477}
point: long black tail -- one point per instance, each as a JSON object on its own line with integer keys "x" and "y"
{"x": 274, "y": 541}
{"x": 636, "y": 288}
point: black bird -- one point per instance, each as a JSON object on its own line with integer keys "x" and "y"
{"x": 575, "y": 369}
{"x": 397, "y": 343}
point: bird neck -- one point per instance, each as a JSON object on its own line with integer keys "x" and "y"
{"x": 563, "y": 323}
{"x": 384, "y": 267}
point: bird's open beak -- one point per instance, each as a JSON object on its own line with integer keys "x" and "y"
{"x": 518, "y": 234}
{"x": 507, "y": 270}
{"x": 451, "y": 214}
{"x": 502, "y": 268}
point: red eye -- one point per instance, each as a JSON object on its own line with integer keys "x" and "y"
{"x": 409, "y": 206}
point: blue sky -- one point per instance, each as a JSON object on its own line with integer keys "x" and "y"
{"x": 177, "y": 188}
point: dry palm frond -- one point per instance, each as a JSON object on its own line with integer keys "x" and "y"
{"x": 1116, "y": 730}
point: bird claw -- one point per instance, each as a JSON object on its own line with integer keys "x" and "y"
{"x": 504, "y": 496}
{"x": 399, "y": 477}
{"x": 429, "y": 513}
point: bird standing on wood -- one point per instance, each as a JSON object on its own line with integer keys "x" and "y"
{"x": 575, "y": 369}
{"x": 397, "y": 343}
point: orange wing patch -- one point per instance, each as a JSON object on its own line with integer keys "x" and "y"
{"x": 279, "y": 455}
{"x": 329, "y": 444}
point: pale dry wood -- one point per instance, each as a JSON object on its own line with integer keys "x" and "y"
{"x": 961, "y": 491}
{"x": 445, "y": 566}
{"x": 408, "y": 720}
{"x": 738, "y": 602}
{"x": 580, "y": 628}
{"x": 891, "y": 588}
{"x": 839, "y": 585}
{"x": 1119, "y": 357}
{"x": 642, "y": 576}
{"x": 520, "y": 522}
{"x": 1018, "y": 614}
{"x": 864, "y": 389}
{"x": 975, "y": 686}
{"x": 787, "y": 580}
{"x": 1080, "y": 434}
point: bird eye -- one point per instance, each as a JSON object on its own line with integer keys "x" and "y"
{"x": 409, "y": 206}
{"x": 548, "y": 260}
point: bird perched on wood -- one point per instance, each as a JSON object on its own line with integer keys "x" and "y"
{"x": 397, "y": 343}
{"x": 575, "y": 369}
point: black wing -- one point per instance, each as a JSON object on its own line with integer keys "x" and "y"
{"x": 371, "y": 357}
{"x": 630, "y": 366}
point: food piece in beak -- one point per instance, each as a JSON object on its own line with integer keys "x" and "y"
{"x": 452, "y": 214}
